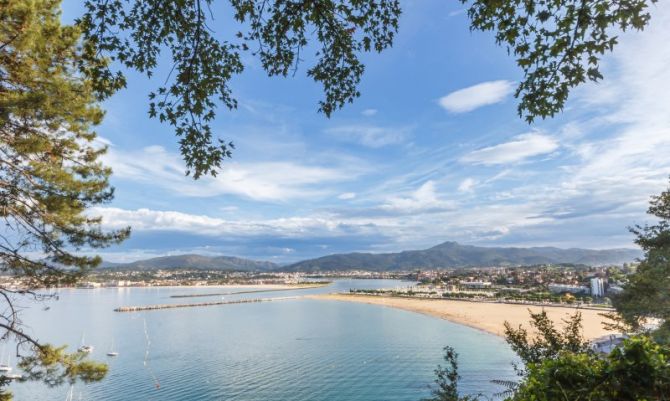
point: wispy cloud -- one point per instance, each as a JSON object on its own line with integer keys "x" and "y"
{"x": 456, "y": 12}
{"x": 617, "y": 172}
{"x": 476, "y": 96}
{"x": 592, "y": 172}
{"x": 370, "y": 135}
{"x": 261, "y": 181}
{"x": 346, "y": 196}
{"x": 169, "y": 220}
{"x": 369, "y": 112}
{"x": 521, "y": 147}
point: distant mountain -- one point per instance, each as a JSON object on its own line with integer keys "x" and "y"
{"x": 109, "y": 265}
{"x": 194, "y": 262}
{"x": 452, "y": 254}
{"x": 448, "y": 254}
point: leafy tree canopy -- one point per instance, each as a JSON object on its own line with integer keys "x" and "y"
{"x": 546, "y": 344}
{"x": 558, "y": 45}
{"x": 50, "y": 175}
{"x": 637, "y": 370}
{"x": 647, "y": 293}
{"x": 135, "y": 33}
{"x": 560, "y": 366}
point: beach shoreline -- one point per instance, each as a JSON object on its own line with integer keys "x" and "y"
{"x": 486, "y": 316}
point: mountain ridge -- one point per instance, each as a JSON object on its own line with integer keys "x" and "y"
{"x": 452, "y": 254}
{"x": 445, "y": 255}
{"x": 194, "y": 261}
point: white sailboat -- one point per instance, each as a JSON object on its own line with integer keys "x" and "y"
{"x": 4, "y": 367}
{"x": 112, "y": 352}
{"x": 84, "y": 347}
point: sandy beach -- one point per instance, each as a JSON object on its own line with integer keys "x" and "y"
{"x": 489, "y": 317}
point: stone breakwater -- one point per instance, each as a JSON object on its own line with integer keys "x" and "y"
{"x": 142, "y": 308}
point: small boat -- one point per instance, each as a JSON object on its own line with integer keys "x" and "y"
{"x": 83, "y": 347}
{"x": 86, "y": 348}
{"x": 111, "y": 350}
{"x": 5, "y": 367}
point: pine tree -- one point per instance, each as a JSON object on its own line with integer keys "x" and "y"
{"x": 50, "y": 173}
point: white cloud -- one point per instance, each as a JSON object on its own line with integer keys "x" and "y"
{"x": 425, "y": 198}
{"x": 263, "y": 181}
{"x": 369, "y": 135}
{"x": 347, "y": 196}
{"x": 369, "y": 112}
{"x": 613, "y": 157}
{"x": 521, "y": 147}
{"x": 476, "y": 96}
{"x": 618, "y": 172}
{"x": 467, "y": 185}
{"x": 158, "y": 220}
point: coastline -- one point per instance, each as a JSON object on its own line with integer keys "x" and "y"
{"x": 250, "y": 290}
{"x": 238, "y": 286}
{"x": 277, "y": 287}
{"x": 488, "y": 317}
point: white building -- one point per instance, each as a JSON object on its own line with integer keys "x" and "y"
{"x": 88, "y": 285}
{"x": 117, "y": 283}
{"x": 476, "y": 284}
{"x": 597, "y": 287}
{"x": 563, "y": 288}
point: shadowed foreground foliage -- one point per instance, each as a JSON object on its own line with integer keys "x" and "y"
{"x": 637, "y": 370}
{"x": 561, "y": 367}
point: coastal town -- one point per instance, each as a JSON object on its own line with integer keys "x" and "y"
{"x": 360, "y": 200}
{"x": 481, "y": 297}
{"x": 546, "y": 284}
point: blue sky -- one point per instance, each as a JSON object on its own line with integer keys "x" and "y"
{"x": 432, "y": 151}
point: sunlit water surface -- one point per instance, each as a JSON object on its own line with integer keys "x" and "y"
{"x": 298, "y": 350}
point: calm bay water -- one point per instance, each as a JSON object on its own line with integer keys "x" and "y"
{"x": 285, "y": 350}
